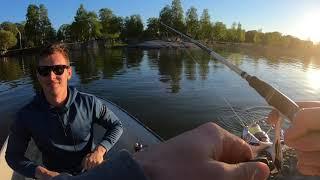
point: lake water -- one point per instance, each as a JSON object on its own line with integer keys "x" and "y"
{"x": 170, "y": 91}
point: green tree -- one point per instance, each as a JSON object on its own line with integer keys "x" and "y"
{"x": 272, "y": 38}
{"x": 293, "y": 42}
{"x": 80, "y": 27}
{"x": 219, "y": 31}
{"x": 165, "y": 16}
{"x": 152, "y": 30}
{"x": 308, "y": 44}
{"x": 8, "y": 26}
{"x": 286, "y": 41}
{"x": 48, "y": 34}
{"x": 232, "y": 35}
{"x": 32, "y": 27}
{"x": 192, "y": 22}
{"x": 240, "y": 33}
{"x": 94, "y": 25}
{"x": 254, "y": 36}
{"x": 15, "y": 28}
{"x": 7, "y": 40}
{"x": 177, "y": 15}
{"x": 205, "y": 31}
{"x": 105, "y": 16}
{"x": 251, "y": 36}
{"x": 111, "y": 24}
{"x": 116, "y": 25}
{"x": 38, "y": 27}
{"x": 64, "y": 33}
{"x": 133, "y": 27}
{"x": 86, "y": 25}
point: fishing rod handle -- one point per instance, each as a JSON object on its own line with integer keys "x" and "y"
{"x": 274, "y": 97}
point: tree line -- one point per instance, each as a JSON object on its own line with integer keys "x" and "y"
{"x": 37, "y": 29}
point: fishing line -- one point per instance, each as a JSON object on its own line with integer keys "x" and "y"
{"x": 273, "y": 157}
{"x": 272, "y": 95}
{"x": 248, "y": 114}
{"x": 241, "y": 122}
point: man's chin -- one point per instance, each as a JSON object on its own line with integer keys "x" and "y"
{"x": 52, "y": 90}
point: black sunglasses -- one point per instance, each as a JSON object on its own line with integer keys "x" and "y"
{"x": 57, "y": 69}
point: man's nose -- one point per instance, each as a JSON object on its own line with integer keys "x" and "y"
{"x": 52, "y": 75}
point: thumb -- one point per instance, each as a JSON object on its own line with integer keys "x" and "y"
{"x": 249, "y": 171}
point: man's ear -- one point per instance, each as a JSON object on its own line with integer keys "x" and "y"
{"x": 69, "y": 73}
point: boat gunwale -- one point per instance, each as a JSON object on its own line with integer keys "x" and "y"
{"x": 136, "y": 119}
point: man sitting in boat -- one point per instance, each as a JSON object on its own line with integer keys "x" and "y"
{"x": 60, "y": 120}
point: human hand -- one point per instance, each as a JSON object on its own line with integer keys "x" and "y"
{"x": 94, "y": 158}
{"x": 44, "y": 174}
{"x": 207, "y": 152}
{"x": 274, "y": 115}
{"x": 304, "y": 135}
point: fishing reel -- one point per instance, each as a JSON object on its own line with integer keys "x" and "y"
{"x": 264, "y": 149}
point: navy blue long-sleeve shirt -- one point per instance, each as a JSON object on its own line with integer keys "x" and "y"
{"x": 63, "y": 135}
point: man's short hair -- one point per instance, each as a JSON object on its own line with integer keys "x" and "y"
{"x": 54, "y": 48}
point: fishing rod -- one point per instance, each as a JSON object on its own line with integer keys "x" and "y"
{"x": 273, "y": 96}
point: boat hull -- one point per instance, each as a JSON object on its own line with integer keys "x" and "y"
{"x": 133, "y": 132}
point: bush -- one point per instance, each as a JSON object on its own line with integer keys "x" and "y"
{"x": 7, "y": 40}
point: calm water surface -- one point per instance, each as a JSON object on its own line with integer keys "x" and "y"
{"x": 171, "y": 91}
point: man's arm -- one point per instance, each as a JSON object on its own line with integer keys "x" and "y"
{"x": 17, "y": 144}
{"x": 107, "y": 119}
{"x": 104, "y": 117}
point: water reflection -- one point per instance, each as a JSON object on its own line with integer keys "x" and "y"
{"x": 85, "y": 66}
{"x": 203, "y": 61}
{"x": 133, "y": 57}
{"x": 313, "y": 76}
{"x": 10, "y": 69}
{"x": 109, "y": 62}
{"x": 172, "y": 65}
{"x": 16, "y": 71}
{"x": 180, "y": 88}
{"x": 190, "y": 68}
{"x": 170, "y": 69}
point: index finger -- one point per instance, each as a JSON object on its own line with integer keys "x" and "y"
{"x": 305, "y": 121}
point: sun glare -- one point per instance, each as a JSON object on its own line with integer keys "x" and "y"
{"x": 310, "y": 26}
{"x": 313, "y": 78}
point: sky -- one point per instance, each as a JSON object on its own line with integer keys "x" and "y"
{"x": 300, "y": 18}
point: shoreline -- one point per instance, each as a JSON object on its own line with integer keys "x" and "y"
{"x": 259, "y": 50}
